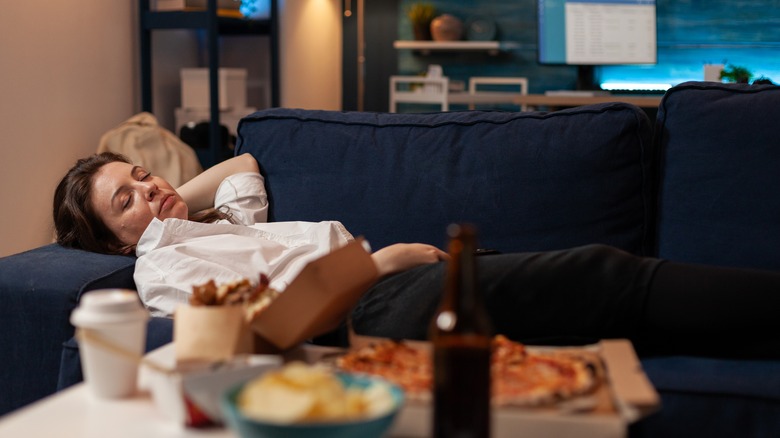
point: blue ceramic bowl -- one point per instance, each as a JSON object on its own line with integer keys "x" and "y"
{"x": 374, "y": 427}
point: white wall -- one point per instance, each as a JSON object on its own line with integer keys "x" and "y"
{"x": 67, "y": 76}
{"x": 310, "y": 41}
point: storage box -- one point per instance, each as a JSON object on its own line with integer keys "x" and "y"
{"x": 195, "y": 88}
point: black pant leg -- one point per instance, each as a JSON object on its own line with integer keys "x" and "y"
{"x": 400, "y": 306}
{"x": 712, "y": 311}
{"x": 593, "y": 291}
{"x": 596, "y": 292}
{"x": 580, "y": 294}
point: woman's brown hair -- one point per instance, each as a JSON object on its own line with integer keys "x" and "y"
{"x": 76, "y": 223}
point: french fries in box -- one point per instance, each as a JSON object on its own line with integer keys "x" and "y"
{"x": 316, "y": 301}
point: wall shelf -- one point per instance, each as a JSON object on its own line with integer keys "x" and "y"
{"x": 426, "y": 47}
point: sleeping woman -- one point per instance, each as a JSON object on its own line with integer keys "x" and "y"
{"x": 215, "y": 227}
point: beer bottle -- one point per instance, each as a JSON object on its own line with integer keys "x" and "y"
{"x": 461, "y": 337}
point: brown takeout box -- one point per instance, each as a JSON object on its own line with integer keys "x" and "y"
{"x": 316, "y": 301}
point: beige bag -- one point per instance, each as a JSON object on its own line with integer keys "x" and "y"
{"x": 142, "y": 140}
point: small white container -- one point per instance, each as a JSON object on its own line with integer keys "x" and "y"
{"x": 112, "y": 334}
{"x": 712, "y": 72}
{"x": 196, "y": 387}
{"x": 195, "y": 88}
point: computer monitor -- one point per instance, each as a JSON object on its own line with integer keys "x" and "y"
{"x": 596, "y": 32}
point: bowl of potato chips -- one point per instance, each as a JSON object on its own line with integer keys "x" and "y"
{"x": 307, "y": 401}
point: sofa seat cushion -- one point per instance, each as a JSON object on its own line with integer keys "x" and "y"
{"x": 719, "y": 160}
{"x": 528, "y": 181}
{"x": 712, "y": 398}
{"x": 700, "y": 375}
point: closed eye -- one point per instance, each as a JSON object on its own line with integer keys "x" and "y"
{"x": 141, "y": 177}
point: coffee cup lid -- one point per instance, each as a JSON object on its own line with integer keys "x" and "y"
{"x": 108, "y": 306}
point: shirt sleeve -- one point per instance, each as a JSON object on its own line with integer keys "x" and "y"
{"x": 243, "y": 196}
{"x": 160, "y": 296}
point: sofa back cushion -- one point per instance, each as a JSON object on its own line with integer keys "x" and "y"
{"x": 719, "y": 152}
{"x": 528, "y": 181}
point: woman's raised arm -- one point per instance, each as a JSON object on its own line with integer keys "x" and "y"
{"x": 199, "y": 192}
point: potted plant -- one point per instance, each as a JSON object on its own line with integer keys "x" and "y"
{"x": 421, "y": 15}
{"x": 735, "y": 73}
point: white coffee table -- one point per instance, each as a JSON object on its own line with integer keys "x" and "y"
{"x": 75, "y": 412}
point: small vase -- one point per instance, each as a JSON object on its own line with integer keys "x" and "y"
{"x": 446, "y": 28}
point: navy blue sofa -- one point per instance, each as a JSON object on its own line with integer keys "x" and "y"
{"x": 700, "y": 185}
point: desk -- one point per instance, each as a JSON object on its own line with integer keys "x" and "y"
{"x": 488, "y": 97}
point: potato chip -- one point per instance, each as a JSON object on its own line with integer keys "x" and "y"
{"x": 300, "y": 393}
{"x": 270, "y": 401}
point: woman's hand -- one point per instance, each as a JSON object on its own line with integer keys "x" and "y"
{"x": 403, "y": 256}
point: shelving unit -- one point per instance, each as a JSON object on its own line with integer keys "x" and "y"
{"x": 215, "y": 26}
{"x": 426, "y": 47}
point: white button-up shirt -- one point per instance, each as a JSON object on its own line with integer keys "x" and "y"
{"x": 174, "y": 255}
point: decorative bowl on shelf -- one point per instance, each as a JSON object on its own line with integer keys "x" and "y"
{"x": 481, "y": 29}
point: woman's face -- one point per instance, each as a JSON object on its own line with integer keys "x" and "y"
{"x": 127, "y": 197}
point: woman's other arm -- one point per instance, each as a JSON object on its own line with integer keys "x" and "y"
{"x": 402, "y": 256}
{"x": 199, "y": 192}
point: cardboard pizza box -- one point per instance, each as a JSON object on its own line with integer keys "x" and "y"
{"x": 627, "y": 396}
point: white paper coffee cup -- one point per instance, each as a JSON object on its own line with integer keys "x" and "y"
{"x": 111, "y": 326}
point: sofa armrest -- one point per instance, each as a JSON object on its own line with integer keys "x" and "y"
{"x": 38, "y": 290}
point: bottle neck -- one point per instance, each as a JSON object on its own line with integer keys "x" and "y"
{"x": 461, "y": 290}
{"x": 462, "y": 309}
